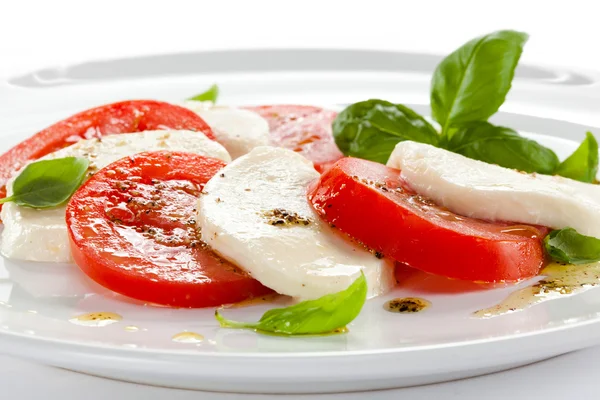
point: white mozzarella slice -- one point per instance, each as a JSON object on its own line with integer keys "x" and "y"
{"x": 41, "y": 235}
{"x": 238, "y": 130}
{"x": 236, "y": 214}
{"x": 480, "y": 190}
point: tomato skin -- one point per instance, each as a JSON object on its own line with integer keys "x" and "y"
{"x": 371, "y": 203}
{"x": 305, "y": 129}
{"x": 123, "y": 117}
{"x": 132, "y": 229}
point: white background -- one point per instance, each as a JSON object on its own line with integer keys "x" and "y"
{"x": 36, "y": 34}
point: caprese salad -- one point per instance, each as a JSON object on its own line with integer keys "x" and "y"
{"x": 202, "y": 205}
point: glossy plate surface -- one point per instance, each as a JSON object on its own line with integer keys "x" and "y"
{"x": 39, "y": 301}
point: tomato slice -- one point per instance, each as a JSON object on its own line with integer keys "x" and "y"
{"x": 124, "y": 117}
{"x": 132, "y": 229}
{"x": 305, "y": 129}
{"x": 370, "y": 202}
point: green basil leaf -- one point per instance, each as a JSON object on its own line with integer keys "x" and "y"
{"x": 582, "y": 165}
{"x": 323, "y": 315}
{"x": 48, "y": 183}
{"x": 502, "y": 146}
{"x": 471, "y": 83}
{"x": 211, "y": 94}
{"x": 568, "y": 246}
{"x": 371, "y": 129}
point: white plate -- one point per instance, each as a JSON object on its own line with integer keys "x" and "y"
{"x": 382, "y": 350}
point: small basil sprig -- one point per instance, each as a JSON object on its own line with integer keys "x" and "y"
{"x": 48, "y": 183}
{"x": 471, "y": 83}
{"x": 582, "y": 165}
{"x": 323, "y": 315}
{"x": 502, "y": 146}
{"x": 211, "y": 94}
{"x": 570, "y": 247}
{"x": 371, "y": 129}
{"x": 468, "y": 86}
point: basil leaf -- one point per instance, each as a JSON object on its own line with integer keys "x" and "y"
{"x": 48, "y": 183}
{"x": 502, "y": 146}
{"x": 371, "y": 129}
{"x": 471, "y": 83}
{"x": 582, "y": 165}
{"x": 211, "y": 94}
{"x": 323, "y": 315}
{"x": 568, "y": 246}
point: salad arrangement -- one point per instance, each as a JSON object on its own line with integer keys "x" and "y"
{"x": 323, "y": 207}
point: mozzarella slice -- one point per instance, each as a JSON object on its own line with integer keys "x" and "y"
{"x": 41, "y": 235}
{"x": 480, "y": 190}
{"x": 238, "y": 216}
{"x": 238, "y": 130}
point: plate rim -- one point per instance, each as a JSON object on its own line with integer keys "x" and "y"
{"x": 364, "y": 59}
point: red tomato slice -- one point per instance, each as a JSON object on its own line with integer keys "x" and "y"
{"x": 305, "y": 129}
{"x": 124, "y": 117}
{"x": 370, "y": 202}
{"x": 133, "y": 230}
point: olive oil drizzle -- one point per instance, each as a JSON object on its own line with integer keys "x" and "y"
{"x": 559, "y": 281}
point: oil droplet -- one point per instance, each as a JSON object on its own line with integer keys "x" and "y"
{"x": 188, "y": 337}
{"x": 560, "y": 281}
{"x": 32, "y": 311}
{"x": 340, "y": 330}
{"x": 96, "y": 319}
{"x": 131, "y": 328}
{"x": 406, "y": 305}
